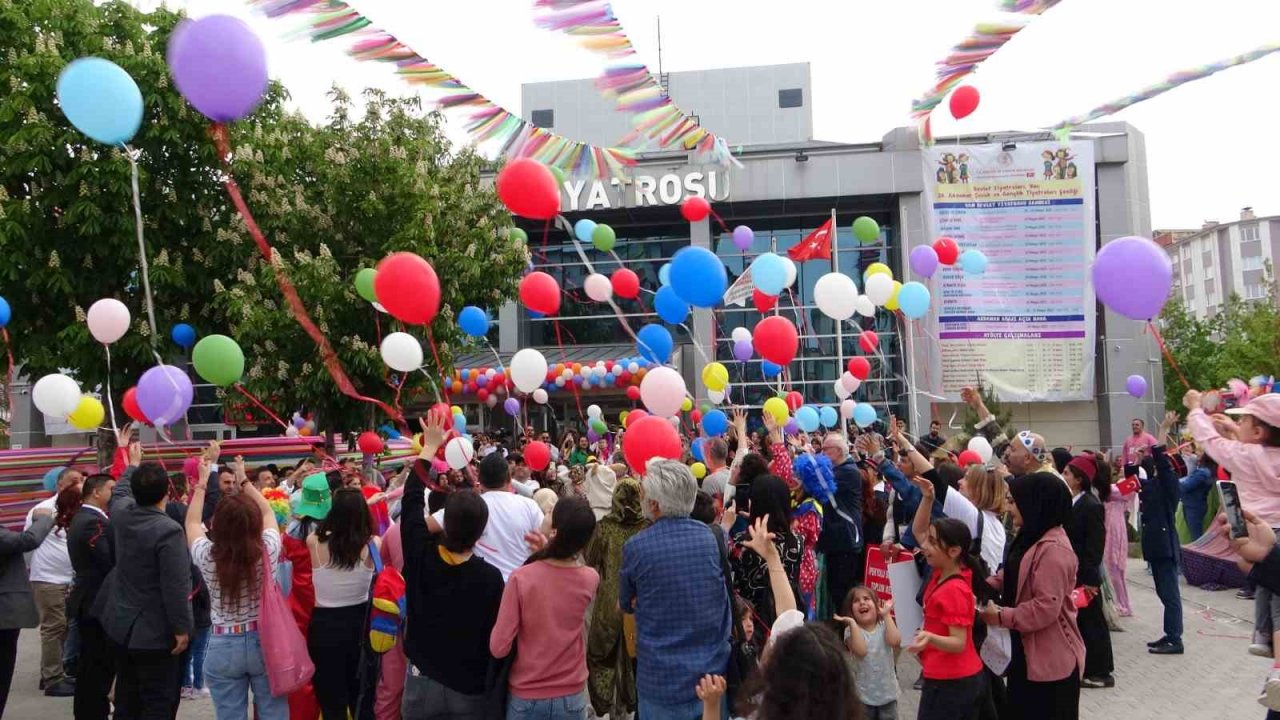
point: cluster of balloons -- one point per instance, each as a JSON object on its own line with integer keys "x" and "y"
{"x": 599, "y": 235}
{"x": 301, "y": 426}
{"x": 59, "y": 396}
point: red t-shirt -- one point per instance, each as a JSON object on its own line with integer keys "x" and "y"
{"x": 949, "y": 603}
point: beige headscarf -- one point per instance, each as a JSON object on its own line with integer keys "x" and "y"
{"x": 599, "y": 484}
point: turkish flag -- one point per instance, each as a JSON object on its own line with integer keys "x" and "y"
{"x": 815, "y": 246}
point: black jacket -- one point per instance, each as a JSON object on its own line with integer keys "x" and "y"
{"x": 1158, "y": 502}
{"x": 1087, "y": 531}
{"x": 1267, "y": 572}
{"x": 839, "y": 535}
{"x": 89, "y": 544}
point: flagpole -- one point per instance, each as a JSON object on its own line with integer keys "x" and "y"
{"x": 835, "y": 267}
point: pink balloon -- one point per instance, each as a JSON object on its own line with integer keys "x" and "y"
{"x": 108, "y": 320}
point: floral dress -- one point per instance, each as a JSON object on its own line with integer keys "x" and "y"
{"x": 807, "y": 523}
{"x": 751, "y": 575}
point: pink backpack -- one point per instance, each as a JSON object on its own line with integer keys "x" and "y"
{"x": 284, "y": 648}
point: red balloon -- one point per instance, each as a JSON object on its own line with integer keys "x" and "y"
{"x": 633, "y": 393}
{"x": 537, "y": 455}
{"x": 776, "y": 340}
{"x": 969, "y": 457}
{"x": 529, "y": 189}
{"x": 540, "y": 293}
{"x": 794, "y": 401}
{"x": 634, "y": 416}
{"x": 441, "y": 413}
{"x": 695, "y": 208}
{"x": 482, "y": 394}
{"x": 131, "y": 407}
{"x": 963, "y": 102}
{"x": 695, "y": 416}
{"x": 369, "y": 443}
{"x": 407, "y": 286}
{"x": 947, "y": 249}
{"x": 647, "y": 438}
{"x": 859, "y": 367}
{"x": 764, "y": 303}
{"x": 868, "y": 340}
{"x": 626, "y": 284}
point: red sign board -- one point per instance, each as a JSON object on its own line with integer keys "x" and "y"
{"x": 877, "y": 576}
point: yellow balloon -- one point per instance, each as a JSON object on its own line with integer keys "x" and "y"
{"x": 876, "y": 269}
{"x": 687, "y": 405}
{"x": 622, "y": 416}
{"x": 456, "y": 410}
{"x": 892, "y": 302}
{"x": 88, "y": 414}
{"x": 699, "y": 470}
{"x": 415, "y": 443}
{"x": 715, "y": 376}
{"x": 777, "y": 407}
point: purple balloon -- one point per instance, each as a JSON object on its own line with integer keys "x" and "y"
{"x": 219, "y": 65}
{"x": 924, "y": 261}
{"x": 164, "y": 394}
{"x": 1136, "y": 385}
{"x": 592, "y": 436}
{"x": 742, "y": 350}
{"x": 1132, "y": 276}
{"x": 512, "y": 406}
{"x": 743, "y": 237}
{"x": 792, "y": 427}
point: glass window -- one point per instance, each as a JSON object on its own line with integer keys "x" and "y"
{"x": 1206, "y": 259}
{"x": 791, "y": 98}
{"x": 1253, "y": 262}
{"x": 1255, "y": 292}
{"x": 543, "y": 118}
{"x": 1210, "y": 287}
{"x": 1191, "y": 293}
{"x": 1248, "y": 233}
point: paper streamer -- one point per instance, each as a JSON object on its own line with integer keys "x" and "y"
{"x": 488, "y": 121}
{"x": 1181, "y": 77}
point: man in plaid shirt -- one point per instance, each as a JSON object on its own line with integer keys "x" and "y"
{"x": 672, "y": 580}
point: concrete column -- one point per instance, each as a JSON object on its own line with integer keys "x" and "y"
{"x": 508, "y": 328}
{"x": 702, "y": 321}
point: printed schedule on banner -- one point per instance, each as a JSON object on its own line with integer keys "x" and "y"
{"x": 1026, "y": 326}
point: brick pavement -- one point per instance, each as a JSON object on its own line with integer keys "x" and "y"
{"x": 1215, "y": 679}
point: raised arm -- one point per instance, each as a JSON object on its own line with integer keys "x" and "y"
{"x": 413, "y": 507}
{"x": 924, "y": 510}
{"x": 13, "y": 543}
{"x": 122, "y": 493}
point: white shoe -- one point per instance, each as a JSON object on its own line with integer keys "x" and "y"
{"x": 188, "y": 693}
{"x": 1261, "y": 650}
{"x": 203, "y": 693}
{"x": 1270, "y": 697}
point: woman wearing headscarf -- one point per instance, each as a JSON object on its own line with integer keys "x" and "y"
{"x": 611, "y": 673}
{"x": 1036, "y": 604}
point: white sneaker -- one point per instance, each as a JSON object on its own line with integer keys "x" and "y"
{"x": 188, "y": 693}
{"x": 1270, "y": 697}
{"x": 203, "y": 693}
{"x": 1261, "y": 650}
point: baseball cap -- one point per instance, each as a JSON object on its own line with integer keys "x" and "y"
{"x": 1264, "y": 407}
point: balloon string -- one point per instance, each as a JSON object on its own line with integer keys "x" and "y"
{"x": 111, "y": 405}
{"x": 506, "y": 380}
{"x": 258, "y": 403}
{"x": 8, "y": 377}
{"x": 435, "y": 354}
{"x": 719, "y": 219}
{"x": 1168, "y": 355}
{"x": 142, "y": 247}
{"x": 563, "y": 224}
{"x": 434, "y": 388}
{"x": 564, "y": 358}
{"x": 297, "y": 309}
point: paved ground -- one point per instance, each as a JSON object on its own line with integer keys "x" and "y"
{"x": 1215, "y": 679}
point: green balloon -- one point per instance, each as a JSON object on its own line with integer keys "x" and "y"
{"x": 866, "y": 230}
{"x": 603, "y": 237}
{"x": 518, "y": 235}
{"x": 598, "y": 425}
{"x": 218, "y": 359}
{"x": 364, "y": 284}
{"x": 558, "y": 173}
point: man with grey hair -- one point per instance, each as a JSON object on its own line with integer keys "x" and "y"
{"x": 673, "y": 581}
{"x": 841, "y": 538}
{"x": 716, "y": 483}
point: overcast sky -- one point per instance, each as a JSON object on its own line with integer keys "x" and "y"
{"x": 870, "y": 58}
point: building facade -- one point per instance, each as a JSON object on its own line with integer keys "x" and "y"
{"x": 1224, "y": 259}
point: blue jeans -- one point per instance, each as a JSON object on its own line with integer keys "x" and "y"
{"x": 649, "y": 710}
{"x": 71, "y": 647}
{"x": 232, "y": 666}
{"x": 193, "y": 667}
{"x": 569, "y": 707}
{"x": 1165, "y": 573}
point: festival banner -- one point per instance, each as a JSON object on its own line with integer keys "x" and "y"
{"x": 1026, "y": 326}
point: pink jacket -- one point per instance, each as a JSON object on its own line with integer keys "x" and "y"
{"x": 1255, "y": 469}
{"x": 1045, "y": 615}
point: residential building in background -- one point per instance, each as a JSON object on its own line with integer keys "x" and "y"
{"x": 1219, "y": 259}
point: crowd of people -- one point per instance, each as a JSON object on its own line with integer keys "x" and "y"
{"x": 590, "y": 588}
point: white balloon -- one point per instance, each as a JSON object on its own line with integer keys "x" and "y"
{"x": 864, "y": 306}
{"x": 846, "y": 409}
{"x": 492, "y": 400}
{"x": 598, "y": 287}
{"x": 458, "y": 452}
{"x": 560, "y": 381}
{"x": 379, "y": 308}
{"x": 567, "y": 373}
{"x": 879, "y": 289}
{"x": 841, "y": 391}
{"x": 791, "y": 271}
{"x": 633, "y": 367}
{"x": 835, "y": 295}
{"x": 56, "y": 395}
{"x": 528, "y": 370}
{"x": 291, "y": 431}
{"x": 662, "y": 391}
{"x": 108, "y": 320}
{"x": 716, "y": 396}
{"x": 741, "y": 334}
{"x": 593, "y": 411}
{"x": 490, "y": 372}
{"x": 981, "y": 446}
{"x": 540, "y": 396}
{"x": 850, "y": 382}
{"x": 402, "y": 352}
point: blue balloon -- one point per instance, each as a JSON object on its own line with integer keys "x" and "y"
{"x": 101, "y": 100}
{"x": 655, "y": 343}
{"x": 770, "y": 369}
{"x": 913, "y": 299}
{"x": 769, "y": 274}
{"x": 183, "y": 334}
{"x": 460, "y": 423}
{"x": 695, "y": 449}
{"x": 669, "y": 305}
{"x": 473, "y": 321}
{"x": 664, "y": 274}
{"x": 5, "y": 312}
{"x": 828, "y": 416}
{"x": 466, "y": 374}
{"x": 715, "y": 423}
{"x": 51, "y": 479}
{"x": 864, "y": 415}
{"x": 807, "y": 418}
{"x": 973, "y": 262}
{"x": 583, "y": 229}
{"x": 698, "y": 277}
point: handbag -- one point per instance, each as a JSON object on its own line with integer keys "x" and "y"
{"x": 284, "y": 649}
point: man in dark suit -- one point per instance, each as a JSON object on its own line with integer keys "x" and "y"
{"x": 144, "y": 604}
{"x": 1087, "y": 531}
{"x": 89, "y": 544}
{"x": 17, "y": 604}
{"x": 841, "y": 536}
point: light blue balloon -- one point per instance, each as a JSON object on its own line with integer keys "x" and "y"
{"x": 669, "y": 305}
{"x": 698, "y": 277}
{"x": 973, "y": 262}
{"x": 473, "y": 321}
{"x": 715, "y": 423}
{"x": 769, "y": 274}
{"x": 864, "y": 415}
{"x": 770, "y": 369}
{"x": 807, "y": 418}
{"x": 695, "y": 449}
{"x": 101, "y": 100}
{"x": 913, "y": 299}
{"x": 460, "y": 423}
{"x": 664, "y": 274}
{"x": 583, "y": 229}
{"x": 654, "y": 343}
{"x": 828, "y": 416}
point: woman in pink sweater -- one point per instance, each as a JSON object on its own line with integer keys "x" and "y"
{"x": 543, "y": 612}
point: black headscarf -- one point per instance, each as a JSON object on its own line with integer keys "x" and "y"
{"x": 771, "y": 496}
{"x": 1044, "y": 502}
